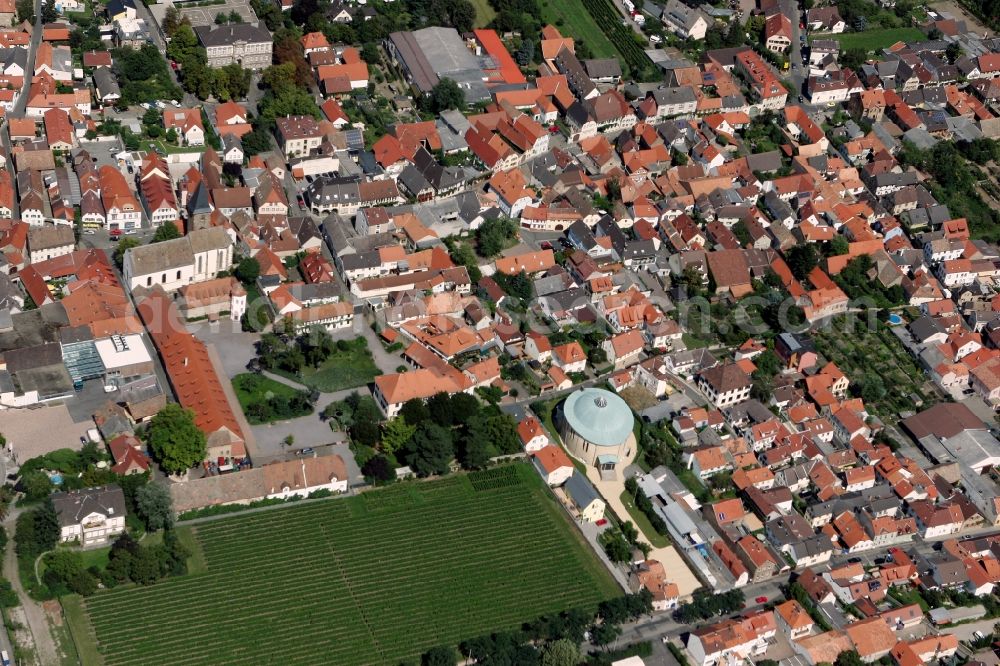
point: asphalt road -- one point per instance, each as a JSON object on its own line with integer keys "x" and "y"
{"x": 36, "y": 39}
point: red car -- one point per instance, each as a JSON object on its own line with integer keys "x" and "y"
{"x": 116, "y": 232}
{"x": 554, "y": 129}
{"x": 761, "y": 600}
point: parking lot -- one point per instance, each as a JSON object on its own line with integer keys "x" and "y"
{"x": 22, "y": 428}
{"x": 206, "y": 15}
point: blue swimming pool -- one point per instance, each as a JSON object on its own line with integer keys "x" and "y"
{"x": 895, "y": 319}
{"x": 56, "y": 479}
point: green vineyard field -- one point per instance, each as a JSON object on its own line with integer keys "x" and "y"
{"x": 372, "y": 579}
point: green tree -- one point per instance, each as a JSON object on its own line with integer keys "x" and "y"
{"x": 414, "y": 411}
{"x": 615, "y": 545}
{"x": 496, "y": 428}
{"x": 474, "y": 453}
{"x": 36, "y": 531}
{"x": 464, "y": 407}
{"x": 147, "y": 566}
{"x": 25, "y": 10}
{"x": 248, "y": 270}
{"x": 606, "y": 633}
{"x": 442, "y": 655}
{"x": 378, "y": 468}
{"x": 124, "y": 245}
{"x": 171, "y": 19}
{"x": 562, "y": 652}
{"x": 174, "y": 439}
{"x": 256, "y": 141}
{"x": 493, "y": 236}
{"x": 445, "y": 95}
{"x": 849, "y": 658}
{"x": 396, "y": 434}
{"x": 440, "y": 409}
{"x": 802, "y": 259}
{"x": 839, "y": 245}
{"x": 165, "y": 232}
{"x": 953, "y": 52}
{"x": 35, "y": 485}
{"x": 154, "y": 506}
{"x": 49, "y": 12}
{"x": 431, "y": 450}
{"x": 853, "y": 58}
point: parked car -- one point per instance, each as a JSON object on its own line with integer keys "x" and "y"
{"x": 110, "y": 388}
{"x": 545, "y": 245}
{"x": 90, "y": 232}
{"x": 131, "y": 232}
{"x": 761, "y": 599}
{"x": 116, "y": 232}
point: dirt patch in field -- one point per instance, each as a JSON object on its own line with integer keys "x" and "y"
{"x": 959, "y": 13}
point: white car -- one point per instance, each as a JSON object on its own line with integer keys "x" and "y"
{"x": 175, "y": 102}
{"x": 90, "y": 232}
{"x": 145, "y": 105}
{"x": 110, "y": 388}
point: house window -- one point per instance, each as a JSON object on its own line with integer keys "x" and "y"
{"x": 178, "y": 275}
{"x": 163, "y": 278}
{"x": 149, "y": 282}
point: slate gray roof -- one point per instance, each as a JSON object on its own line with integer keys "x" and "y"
{"x": 178, "y": 252}
{"x": 225, "y": 35}
{"x": 580, "y": 490}
{"x": 75, "y": 505}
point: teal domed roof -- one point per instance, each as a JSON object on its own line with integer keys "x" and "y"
{"x": 598, "y": 416}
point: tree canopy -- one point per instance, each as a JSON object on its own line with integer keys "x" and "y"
{"x": 174, "y": 439}
{"x": 154, "y": 506}
{"x": 445, "y": 95}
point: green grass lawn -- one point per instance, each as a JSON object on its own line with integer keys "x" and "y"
{"x": 256, "y": 393}
{"x": 875, "y": 40}
{"x": 374, "y": 579}
{"x": 264, "y": 388}
{"x": 654, "y": 538}
{"x": 167, "y": 148}
{"x": 578, "y": 24}
{"x": 343, "y": 370}
{"x": 484, "y": 12}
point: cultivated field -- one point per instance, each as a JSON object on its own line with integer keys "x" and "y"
{"x": 372, "y": 579}
{"x": 578, "y": 23}
{"x": 875, "y": 40}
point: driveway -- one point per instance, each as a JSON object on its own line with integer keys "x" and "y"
{"x": 234, "y": 347}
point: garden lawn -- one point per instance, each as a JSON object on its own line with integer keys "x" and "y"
{"x": 343, "y": 370}
{"x": 374, "y": 579}
{"x": 655, "y": 539}
{"x": 266, "y": 387}
{"x": 578, "y": 24}
{"x": 484, "y": 12}
{"x": 875, "y": 40}
{"x": 150, "y": 145}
